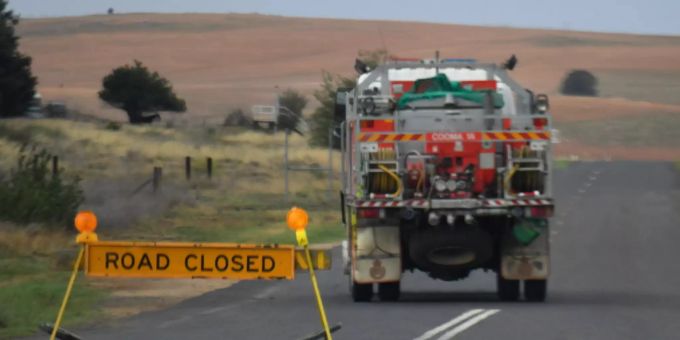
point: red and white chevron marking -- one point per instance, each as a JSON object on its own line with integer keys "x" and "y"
{"x": 499, "y": 203}
{"x": 516, "y": 202}
{"x": 392, "y": 204}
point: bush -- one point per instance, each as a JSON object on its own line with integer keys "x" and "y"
{"x": 292, "y": 104}
{"x": 31, "y": 194}
{"x": 323, "y": 117}
{"x": 579, "y": 83}
{"x": 113, "y": 126}
{"x": 237, "y": 118}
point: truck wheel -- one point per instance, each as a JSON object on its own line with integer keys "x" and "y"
{"x": 535, "y": 290}
{"x": 361, "y": 292}
{"x": 389, "y": 291}
{"x": 508, "y": 290}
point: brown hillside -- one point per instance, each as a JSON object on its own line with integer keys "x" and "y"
{"x": 221, "y": 61}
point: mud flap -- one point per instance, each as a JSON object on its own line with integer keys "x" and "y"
{"x": 377, "y": 257}
{"x": 525, "y": 253}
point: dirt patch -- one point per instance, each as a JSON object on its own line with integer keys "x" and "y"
{"x": 133, "y": 296}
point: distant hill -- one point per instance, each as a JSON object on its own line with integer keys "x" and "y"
{"x": 222, "y": 61}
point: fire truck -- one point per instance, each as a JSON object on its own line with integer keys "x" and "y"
{"x": 446, "y": 169}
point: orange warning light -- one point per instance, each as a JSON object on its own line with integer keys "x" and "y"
{"x": 86, "y": 222}
{"x": 297, "y": 219}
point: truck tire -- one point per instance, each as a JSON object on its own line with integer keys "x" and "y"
{"x": 535, "y": 290}
{"x": 449, "y": 254}
{"x": 508, "y": 290}
{"x": 361, "y": 292}
{"x": 389, "y": 291}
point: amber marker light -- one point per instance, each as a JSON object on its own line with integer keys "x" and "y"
{"x": 297, "y": 219}
{"x": 86, "y": 223}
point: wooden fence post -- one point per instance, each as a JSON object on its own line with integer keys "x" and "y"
{"x": 210, "y": 167}
{"x": 55, "y": 166}
{"x": 157, "y": 174}
{"x": 187, "y": 167}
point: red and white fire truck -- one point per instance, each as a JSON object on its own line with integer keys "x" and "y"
{"x": 446, "y": 169}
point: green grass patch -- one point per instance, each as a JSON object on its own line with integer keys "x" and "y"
{"x": 552, "y": 40}
{"x": 659, "y": 130}
{"x": 31, "y": 293}
{"x": 640, "y": 85}
{"x": 561, "y": 163}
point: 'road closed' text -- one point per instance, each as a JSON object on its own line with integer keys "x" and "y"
{"x": 189, "y": 260}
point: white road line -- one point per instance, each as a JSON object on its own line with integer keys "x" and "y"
{"x": 467, "y": 324}
{"x": 434, "y": 331}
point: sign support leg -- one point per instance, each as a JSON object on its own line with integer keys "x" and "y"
{"x": 67, "y": 295}
{"x": 317, "y": 294}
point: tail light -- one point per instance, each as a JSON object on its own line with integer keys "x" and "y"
{"x": 540, "y": 212}
{"x": 371, "y": 213}
{"x": 540, "y": 123}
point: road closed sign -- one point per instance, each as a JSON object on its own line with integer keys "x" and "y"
{"x": 189, "y": 260}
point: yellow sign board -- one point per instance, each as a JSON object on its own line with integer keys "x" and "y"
{"x": 190, "y": 260}
{"x": 321, "y": 259}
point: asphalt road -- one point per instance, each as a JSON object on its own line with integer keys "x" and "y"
{"x": 615, "y": 275}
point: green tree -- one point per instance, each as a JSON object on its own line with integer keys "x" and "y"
{"x": 373, "y": 58}
{"x": 137, "y": 90}
{"x": 323, "y": 117}
{"x": 292, "y": 104}
{"x": 579, "y": 83}
{"x": 17, "y": 84}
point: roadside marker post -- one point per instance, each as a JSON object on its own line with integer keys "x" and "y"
{"x": 297, "y": 220}
{"x": 86, "y": 224}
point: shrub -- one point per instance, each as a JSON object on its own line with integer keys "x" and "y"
{"x": 237, "y": 118}
{"x": 579, "y": 83}
{"x": 31, "y": 194}
{"x": 113, "y": 126}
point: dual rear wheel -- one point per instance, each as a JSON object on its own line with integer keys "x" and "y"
{"x": 363, "y": 292}
{"x": 534, "y": 290}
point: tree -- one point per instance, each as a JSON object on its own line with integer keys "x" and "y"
{"x": 323, "y": 117}
{"x": 292, "y": 104}
{"x": 373, "y": 58}
{"x": 580, "y": 83}
{"x": 136, "y": 90}
{"x": 17, "y": 83}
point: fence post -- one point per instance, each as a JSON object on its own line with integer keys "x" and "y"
{"x": 210, "y": 167}
{"x": 187, "y": 167}
{"x": 55, "y": 166}
{"x": 330, "y": 163}
{"x": 285, "y": 164}
{"x": 157, "y": 174}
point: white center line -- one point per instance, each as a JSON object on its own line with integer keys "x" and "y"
{"x": 434, "y": 331}
{"x": 467, "y": 324}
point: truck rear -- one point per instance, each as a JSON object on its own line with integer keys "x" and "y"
{"x": 446, "y": 169}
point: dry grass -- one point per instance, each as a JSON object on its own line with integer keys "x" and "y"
{"x": 32, "y": 241}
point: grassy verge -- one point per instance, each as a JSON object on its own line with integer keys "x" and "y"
{"x": 561, "y": 163}
{"x": 31, "y": 291}
{"x": 243, "y": 203}
{"x": 656, "y": 130}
